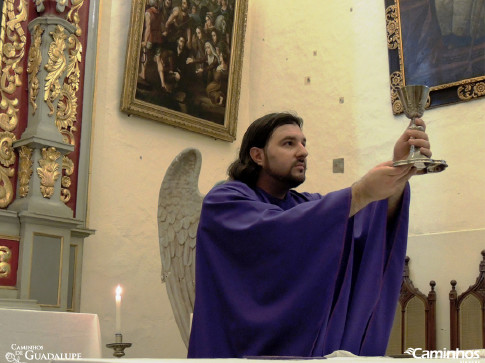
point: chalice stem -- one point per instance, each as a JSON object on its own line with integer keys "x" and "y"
{"x": 412, "y": 149}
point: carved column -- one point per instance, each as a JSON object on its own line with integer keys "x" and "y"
{"x": 41, "y": 147}
{"x": 46, "y": 223}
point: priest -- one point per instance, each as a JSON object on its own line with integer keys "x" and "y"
{"x": 284, "y": 273}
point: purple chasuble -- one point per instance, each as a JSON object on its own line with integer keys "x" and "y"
{"x": 295, "y": 277}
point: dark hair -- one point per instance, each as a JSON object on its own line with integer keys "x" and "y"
{"x": 223, "y": 48}
{"x": 258, "y": 133}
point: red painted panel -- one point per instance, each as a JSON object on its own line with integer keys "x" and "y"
{"x": 9, "y": 261}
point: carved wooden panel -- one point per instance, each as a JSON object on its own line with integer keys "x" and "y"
{"x": 467, "y": 313}
{"x": 415, "y": 319}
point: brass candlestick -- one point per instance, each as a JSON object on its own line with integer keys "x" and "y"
{"x": 119, "y": 347}
{"x": 413, "y": 99}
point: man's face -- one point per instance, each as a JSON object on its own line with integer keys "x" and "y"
{"x": 185, "y": 6}
{"x": 181, "y": 43}
{"x": 285, "y": 153}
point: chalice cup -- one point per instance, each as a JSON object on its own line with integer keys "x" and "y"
{"x": 413, "y": 99}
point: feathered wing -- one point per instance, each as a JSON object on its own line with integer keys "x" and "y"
{"x": 179, "y": 206}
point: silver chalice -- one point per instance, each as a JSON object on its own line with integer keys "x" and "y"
{"x": 413, "y": 99}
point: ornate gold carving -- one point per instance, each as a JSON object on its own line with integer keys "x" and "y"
{"x": 75, "y": 57}
{"x": 67, "y": 106}
{"x": 392, "y": 26}
{"x": 73, "y": 15}
{"x": 7, "y": 158}
{"x": 66, "y": 114}
{"x": 68, "y": 166}
{"x": 35, "y": 59}
{"x": 48, "y": 171}
{"x": 55, "y": 66}
{"x": 5, "y": 256}
{"x": 397, "y": 80}
{"x": 7, "y": 155}
{"x": 25, "y": 170}
{"x": 471, "y": 90}
{"x": 12, "y": 46}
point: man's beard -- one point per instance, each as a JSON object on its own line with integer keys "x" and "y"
{"x": 292, "y": 181}
{"x": 289, "y": 180}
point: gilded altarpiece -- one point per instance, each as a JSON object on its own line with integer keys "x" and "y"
{"x": 43, "y": 160}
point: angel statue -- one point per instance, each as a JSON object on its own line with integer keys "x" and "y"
{"x": 179, "y": 206}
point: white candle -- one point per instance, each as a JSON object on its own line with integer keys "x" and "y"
{"x": 118, "y": 310}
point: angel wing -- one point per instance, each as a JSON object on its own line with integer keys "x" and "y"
{"x": 179, "y": 206}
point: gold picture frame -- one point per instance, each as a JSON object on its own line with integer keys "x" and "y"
{"x": 437, "y": 43}
{"x": 181, "y": 84}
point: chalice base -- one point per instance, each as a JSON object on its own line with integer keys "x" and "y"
{"x": 429, "y": 165}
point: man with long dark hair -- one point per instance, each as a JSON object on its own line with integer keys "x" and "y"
{"x": 283, "y": 273}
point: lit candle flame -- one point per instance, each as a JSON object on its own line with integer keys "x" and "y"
{"x": 118, "y": 293}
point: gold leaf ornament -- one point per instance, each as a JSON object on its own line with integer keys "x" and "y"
{"x": 48, "y": 171}
{"x": 7, "y": 158}
{"x": 73, "y": 15}
{"x": 68, "y": 166}
{"x": 469, "y": 91}
{"x": 396, "y": 80}
{"x": 5, "y": 256}
{"x": 66, "y": 108}
{"x": 33, "y": 67}
{"x": 392, "y": 27}
{"x": 7, "y": 154}
{"x": 25, "y": 170}
{"x": 66, "y": 114}
{"x": 55, "y": 66}
{"x": 12, "y": 45}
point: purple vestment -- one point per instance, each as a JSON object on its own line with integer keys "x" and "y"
{"x": 295, "y": 277}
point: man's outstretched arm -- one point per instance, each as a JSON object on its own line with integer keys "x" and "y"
{"x": 386, "y": 181}
{"x": 381, "y": 182}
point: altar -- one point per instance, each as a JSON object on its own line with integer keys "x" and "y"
{"x": 28, "y": 335}
{"x": 61, "y": 337}
{"x": 319, "y": 360}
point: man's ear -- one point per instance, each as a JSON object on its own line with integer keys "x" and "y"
{"x": 257, "y": 155}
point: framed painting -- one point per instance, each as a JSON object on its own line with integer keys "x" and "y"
{"x": 183, "y": 63}
{"x": 437, "y": 43}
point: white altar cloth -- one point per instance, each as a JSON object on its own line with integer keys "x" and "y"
{"x": 328, "y": 360}
{"x": 36, "y": 336}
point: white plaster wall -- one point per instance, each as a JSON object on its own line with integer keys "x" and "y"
{"x": 341, "y": 45}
